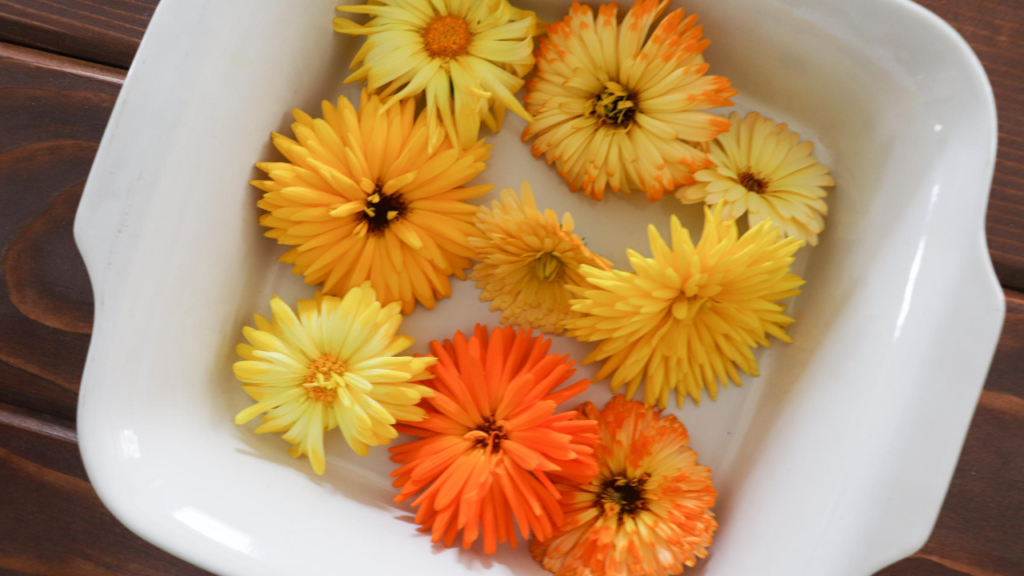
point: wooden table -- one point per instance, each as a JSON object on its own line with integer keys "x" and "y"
{"x": 62, "y": 63}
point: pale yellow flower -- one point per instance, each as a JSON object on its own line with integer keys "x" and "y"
{"x": 467, "y": 56}
{"x": 688, "y": 316}
{"x": 361, "y": 198}
{"x": 762, "y": 169}
{"x": 526, "y": 260}
{"x": 334, "y": 365}
{"x": 616, "y": 109}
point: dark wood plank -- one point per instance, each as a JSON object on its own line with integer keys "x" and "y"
{"x": 53, "y": 111}
{"x": 919, "y": 567}
{"x": 995, "y": 29}
{"x": 103, "y": 31}
{"x": 53, "y": 522}
{"x": 980, "y": 527}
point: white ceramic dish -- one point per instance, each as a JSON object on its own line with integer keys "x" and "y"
{"x": 834, "y": 462}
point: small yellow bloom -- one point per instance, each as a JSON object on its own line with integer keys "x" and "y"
{"x": 468, "y": 56}
{"x": 689, "y": 315}
{"x": 362, "y": 199}
{"x": 762, "y": 169}
{"x": 333, "y": 365}
{"x": 616, "y": 109}
{"x": 526, "y": 259}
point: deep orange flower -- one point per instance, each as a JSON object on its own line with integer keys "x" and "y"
{"x": 492, "y": 444}
{"x": 648, "y": 510}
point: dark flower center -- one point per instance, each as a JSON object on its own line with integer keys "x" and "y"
{"x": 381, "y": 209}
{"x": 615, "y": 106}
{"x": 489, "y": 434}
{"x": 623, "y": 495}
{"x": 753, "y": 183}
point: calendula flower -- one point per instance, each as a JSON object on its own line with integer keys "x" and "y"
{"x": 468, "y": 56}
{"x": 648, "y": 511}
{"x": 687, "y": 317}
{"x": 762, "y": 169}
{"x": 494, "y": 441}
{"x": 334, "y": 365}
{"x": 526, "y": 258}
{"x": 615, "y": 109}
{"x": 362, "y": 199}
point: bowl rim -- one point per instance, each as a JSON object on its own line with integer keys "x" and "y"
{"x": 96, "y": 246}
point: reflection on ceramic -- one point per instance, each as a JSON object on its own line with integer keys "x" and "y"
{"x": 835, "y": 461}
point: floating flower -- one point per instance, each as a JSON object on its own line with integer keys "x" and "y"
{"x": 333, "y": 365}
{"x": 614, "y": 109}
{"x": 689, "y": 315}
{"x": 468, "y": 56}
{"x": 648, "y": 511}
{"x": 493, "y": 440}
{"x": 526, "y": 258}
{"x": 763, "y": 169}
{"x": 361, "y": 199}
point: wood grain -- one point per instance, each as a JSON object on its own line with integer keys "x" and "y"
{"x": 995, "y": 29}
{"x": 53, "y": 522}
{"x": 103, "y": 31}
{"x": 919, "y": 567}
{"x": 53, "y": 111}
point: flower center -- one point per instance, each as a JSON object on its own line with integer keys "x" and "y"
{"x": 381, "y": 209}
{"x": 685, "y": 308}
{"x": 323, "y": 378}
{"x": 489, "y": 434}
{"x": 623, "y": 496}
{"x": 547, "y": 266}
{"x": 753, "y": 183}
{"x": 447, "y": 37}
{"x": 615, "y": 106}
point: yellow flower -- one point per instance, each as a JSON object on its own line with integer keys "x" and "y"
{"x": 361, "y": 199}
{"x": 333, "y": 365}
{"x": 763, "y": 169}
{"x": 526, "y": 259}
{"x": 689, "y": 315}
{"x": 468, "y": 56}
{"x": 614, "y": 109}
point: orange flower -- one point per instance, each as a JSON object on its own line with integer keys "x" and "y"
{"x": 648, "y": 510}
{"x": 492, "y": 443}
{"x": 618, "y": 107}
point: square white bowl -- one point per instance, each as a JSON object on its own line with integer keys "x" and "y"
{"x": 835, "y": 461}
